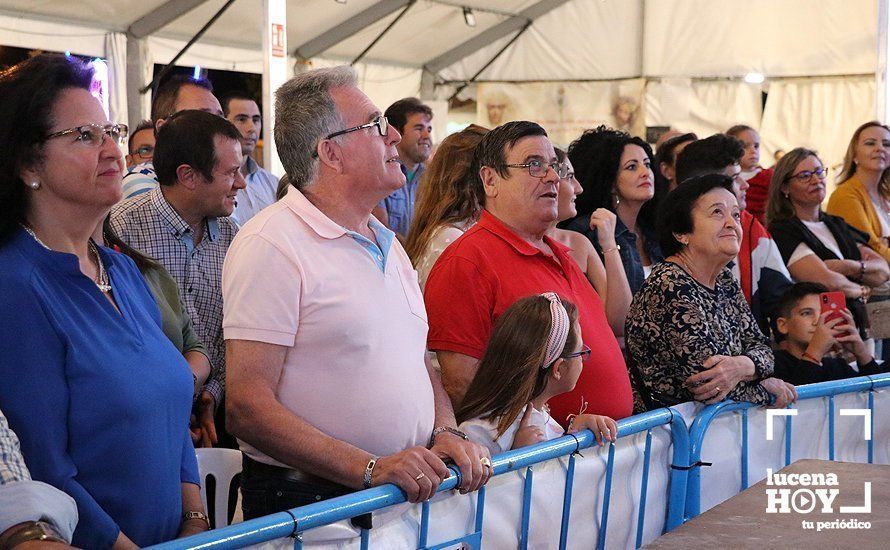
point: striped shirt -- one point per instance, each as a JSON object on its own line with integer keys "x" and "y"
{"x": 139, "y": 179}
{"x": 12, "y": 464}
{"x": 149, "y": 224}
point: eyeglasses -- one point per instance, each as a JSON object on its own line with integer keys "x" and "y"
{"x": 583, "y": 354}
{"x": 806, "y": 175}
{"x": 145, "y": 150}
{"x": 537, "y": 168}
{"x": 93, "y": 134}
{"x": 380, "y": 122}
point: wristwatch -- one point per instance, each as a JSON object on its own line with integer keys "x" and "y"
{"x": 194, "y": 514}
{"x": 369, "y": 471}
{"x": 35, "y": 530}
{"x": 448, "y": 429}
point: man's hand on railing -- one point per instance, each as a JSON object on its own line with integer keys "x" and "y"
{"x": 784, "y": 392}
{"x": 473, "y": 460}
{"x": 418, "y": 471}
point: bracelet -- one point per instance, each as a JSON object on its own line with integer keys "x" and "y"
{"x": 617, "y": 247}
{"x": 806, "y": 355}
{"x": 448, "y": 429}
{"x": 369, "y": 471}
{"x": 194, "y": 514}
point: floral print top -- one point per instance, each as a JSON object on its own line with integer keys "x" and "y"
{"x": 675, "y": 323}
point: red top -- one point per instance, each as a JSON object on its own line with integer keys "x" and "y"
{"x": 487, "y": 269}
{"x": 755, "y": 198}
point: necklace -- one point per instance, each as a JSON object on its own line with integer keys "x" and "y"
{"x": 686, "y": 267}
{"x": 102, "y": 281}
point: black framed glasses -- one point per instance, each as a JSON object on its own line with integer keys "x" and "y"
{"x": 93, "y": 134}
{"x": 806, "y": 175}
{"x": 380, "y": 122}
{"x": 538, "y": 168}
{"x": 583, "y": 354}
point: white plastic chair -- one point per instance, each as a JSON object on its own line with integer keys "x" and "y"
{"x": 223, "y": 465}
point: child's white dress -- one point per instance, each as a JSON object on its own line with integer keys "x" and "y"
{"x": 484, "y": 432}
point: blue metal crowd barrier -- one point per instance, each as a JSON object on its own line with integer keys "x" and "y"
{"x": 685, "y": 478}
{"x": 293, "y": 523}
{"x": 703, "y": 419}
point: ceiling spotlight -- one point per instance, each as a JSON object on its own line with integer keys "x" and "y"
{"x": 469, "y": 17}
{"x": 340, "y": 1}
{"x": 754, "y": 78}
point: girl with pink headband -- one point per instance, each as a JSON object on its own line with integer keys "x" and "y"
{"x": 534, "y": 354}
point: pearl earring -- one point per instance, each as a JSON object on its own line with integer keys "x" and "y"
{"x": 34, "y": 185}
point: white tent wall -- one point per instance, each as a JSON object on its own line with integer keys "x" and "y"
{"x": 25, "y": 32}
{"x": 563, "y": 109}
{"x": 819, "y": 114}
{"x": 580, "y": 40}
{"x": 599, "y": 44}
{"x": 383, "y": 83}
{"x": 704, "y": 107}
{"x": 116, "y": 57}
{"x": 787, "y": 38}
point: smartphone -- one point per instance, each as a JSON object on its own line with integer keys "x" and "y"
{"x": 833, "y": 302}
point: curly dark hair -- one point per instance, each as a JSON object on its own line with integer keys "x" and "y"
{"x": 596, "y": 156}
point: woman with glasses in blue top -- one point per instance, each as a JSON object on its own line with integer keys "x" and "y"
{"x": 98, "y": 396}
{"x": 818, "y": 247}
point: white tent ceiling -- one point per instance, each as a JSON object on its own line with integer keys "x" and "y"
{"x": 576, "y": 40}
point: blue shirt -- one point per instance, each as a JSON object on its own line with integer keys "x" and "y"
{"x": 259, "y": 192}
{"x": 627, "y": 240}
{"x": 400, "y": 204}
{"x": 139, "y": 179}
{"x": 379, "y": 251}
{"x": 99, "y": 399}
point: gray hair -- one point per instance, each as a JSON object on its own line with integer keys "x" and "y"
{"x": 304, "y": 114}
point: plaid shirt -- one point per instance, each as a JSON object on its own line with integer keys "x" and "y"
{"x": 12, "y": 464}
{"x": 148, "y": 223}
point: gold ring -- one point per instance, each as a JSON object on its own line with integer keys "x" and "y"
{"x": 485, "y": 461}
{"x": 419, "y": 476}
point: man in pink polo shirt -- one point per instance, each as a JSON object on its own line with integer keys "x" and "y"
{"x": 507, "y": 256}
{"x": 325, "y": 327}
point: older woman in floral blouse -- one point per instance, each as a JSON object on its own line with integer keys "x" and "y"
{"x": 689, "y": 330}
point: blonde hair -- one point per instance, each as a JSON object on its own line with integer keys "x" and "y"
{"x": 778, "y": 206}
{"x": 850, "y": 166}
{"x": 447, "y": 193}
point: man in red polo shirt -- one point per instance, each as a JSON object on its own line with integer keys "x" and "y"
{"x": 506, "y": 256}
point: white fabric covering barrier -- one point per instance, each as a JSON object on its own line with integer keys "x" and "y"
{"x": 809, "y": 439}
{"x": 453, "y": 515}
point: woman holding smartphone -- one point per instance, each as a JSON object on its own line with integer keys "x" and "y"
{"x": 818, "y": 247}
